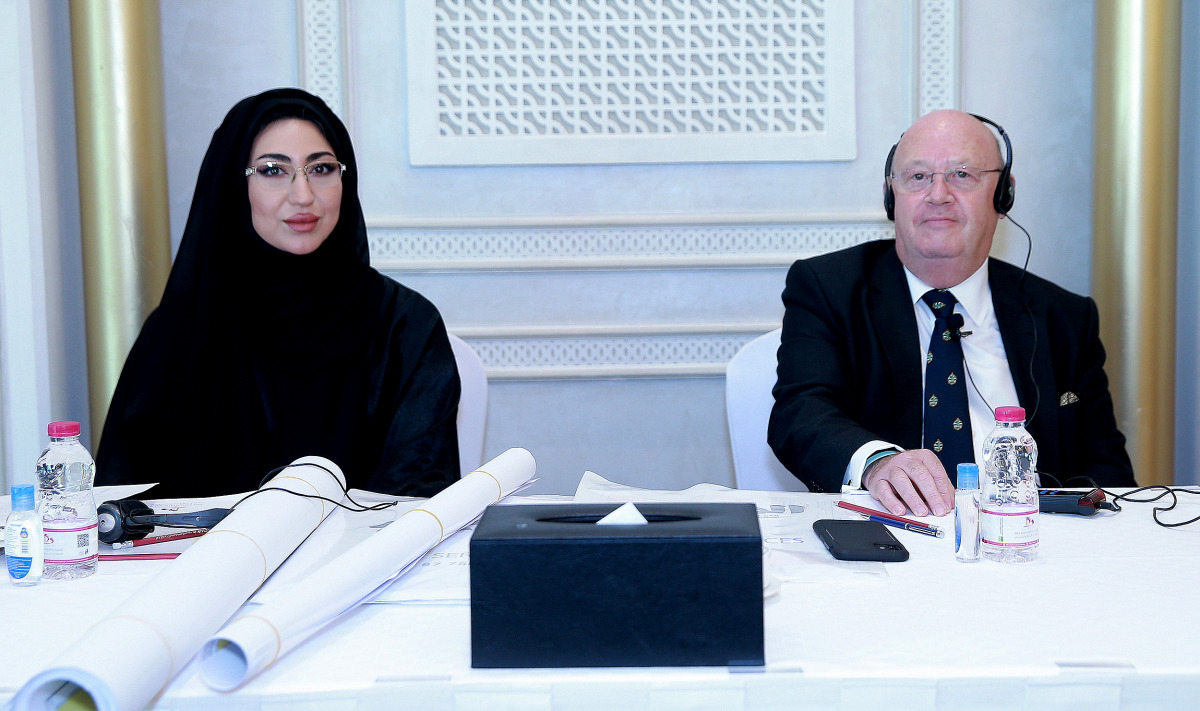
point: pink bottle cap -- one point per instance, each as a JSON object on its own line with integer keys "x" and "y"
{"x": 1010, "y": 414}
{"x": 66, "y": 428}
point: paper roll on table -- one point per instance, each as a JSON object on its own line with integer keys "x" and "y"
{"x": 126, "y": 660}
{"x": 253, "y": 642}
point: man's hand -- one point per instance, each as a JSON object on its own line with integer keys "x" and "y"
{"x": 911, "y": 481}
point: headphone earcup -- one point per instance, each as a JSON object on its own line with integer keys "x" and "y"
{"x": 1006, "y": 193}
{"x": 115, "y": 521}
{"x": 889, "y": 195}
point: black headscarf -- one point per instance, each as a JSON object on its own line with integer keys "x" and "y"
{"x": 256, "y": 356}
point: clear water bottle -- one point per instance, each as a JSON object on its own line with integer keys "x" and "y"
{"x": 23, "y": 538}
{"x": 1009, "y": 505}
{"x": 65, "y": 472}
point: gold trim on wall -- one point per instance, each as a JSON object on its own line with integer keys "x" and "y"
{"x": 117, "y": 59}
{"x": 1136, "y": 144}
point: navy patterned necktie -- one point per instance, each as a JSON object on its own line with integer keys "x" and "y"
{"x": 947, "y": 416}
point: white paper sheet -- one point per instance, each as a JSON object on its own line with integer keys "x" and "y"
{"x": 337, "y": 534}
{"x": 796, "y": 554}
{"x": 127, "y": 659}
{"x": 254, "y": 641}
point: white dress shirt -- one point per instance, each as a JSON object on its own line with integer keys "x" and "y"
{"x": 988, "y": 378}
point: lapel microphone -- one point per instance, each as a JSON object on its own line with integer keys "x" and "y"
{"x": 956, "y": 323}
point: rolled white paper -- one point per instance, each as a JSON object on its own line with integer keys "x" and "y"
{"x": 125, "y": 660}
{"x": 253, "y": 642}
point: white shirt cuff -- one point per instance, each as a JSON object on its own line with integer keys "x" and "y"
{"x": 854, "y": 470}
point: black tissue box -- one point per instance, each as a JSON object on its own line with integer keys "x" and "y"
{"x": 550, "y": 588}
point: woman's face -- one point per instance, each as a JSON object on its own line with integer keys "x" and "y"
{"x": 295, "y": 216}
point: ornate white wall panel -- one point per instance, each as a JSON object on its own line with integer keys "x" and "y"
{"x": 636, "y": 297}
{"x": 939, "y": 55}
{"x": 606, "y": 247}
{"x": 604, "y": 81}
{"x": 321, "y": 60}
{"x": 508, "y": 82}
{"x": 615, "y": 355}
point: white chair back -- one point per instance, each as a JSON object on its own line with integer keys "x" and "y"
{"x": 472, "y": 405}
{"x": 749, "y": 378}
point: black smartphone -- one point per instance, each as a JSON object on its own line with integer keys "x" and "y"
{"x": 847, "y": 539}
{"x": 1083, "y": 503}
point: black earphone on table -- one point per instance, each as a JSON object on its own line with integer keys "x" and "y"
{"x": 130, "y": 519}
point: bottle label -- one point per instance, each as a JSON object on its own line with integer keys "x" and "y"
{"x": 1009, "y": 526}
{"x": 966, "y": 524}
{"x": 70, "y": 543}
{"x": 18, "y": 566}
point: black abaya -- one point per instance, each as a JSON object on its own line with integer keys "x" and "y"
{"x": 256, "y": 356}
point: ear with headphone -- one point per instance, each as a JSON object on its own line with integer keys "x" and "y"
{"x": 130, "y": 519}
{"x": 1002, "y": 199}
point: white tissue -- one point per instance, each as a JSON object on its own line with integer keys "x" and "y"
{"x": 625, "y": 515}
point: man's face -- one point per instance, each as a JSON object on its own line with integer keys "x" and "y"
{"x": 943, "y": 233}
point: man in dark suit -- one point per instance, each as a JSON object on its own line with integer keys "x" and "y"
{"x": 849, "y": 401}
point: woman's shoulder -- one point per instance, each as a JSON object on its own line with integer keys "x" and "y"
{"x": 403, "y": 298}
{"x": 408, "y": 319}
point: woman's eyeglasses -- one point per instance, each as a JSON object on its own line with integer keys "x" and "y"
{"x": 279, "y": 175}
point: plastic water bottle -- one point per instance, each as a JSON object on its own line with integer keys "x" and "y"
{"x": 23, "y": 538}
{"x": 65, "y": 472}
{"x": 1009, "y": 508}
{"x": 966, "y": 514}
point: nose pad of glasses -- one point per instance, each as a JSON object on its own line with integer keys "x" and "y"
{"x": 300, "y": 184}
{"x": 939, "y": 186}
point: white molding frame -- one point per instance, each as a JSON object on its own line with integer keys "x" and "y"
{"x": 618, "y": 351}
{"x": 708, "y": 241}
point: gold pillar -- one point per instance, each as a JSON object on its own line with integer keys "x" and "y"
{"x": 1136, "y": 145}
{"x": 117, "y": 57}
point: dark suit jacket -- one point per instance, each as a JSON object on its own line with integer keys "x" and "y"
{"x": 850, "y": 372}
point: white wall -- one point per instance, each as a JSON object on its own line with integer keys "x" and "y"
{"x": 1025, "y": 64}
{"x": 1028, "y": 65}
{"x": 42, "y": 349}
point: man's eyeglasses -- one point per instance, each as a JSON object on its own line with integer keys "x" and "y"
{"x": 279, "y": 175}
{"x": 963, "y": 178}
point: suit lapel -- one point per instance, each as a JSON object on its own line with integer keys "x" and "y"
{"x": 891, "y": 311}
{"x": 1025, "y": 334}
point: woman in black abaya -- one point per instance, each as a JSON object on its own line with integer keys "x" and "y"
{"x": 275, "y": 339}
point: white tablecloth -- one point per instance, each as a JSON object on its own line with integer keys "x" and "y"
{"x": 1105, "y": 619}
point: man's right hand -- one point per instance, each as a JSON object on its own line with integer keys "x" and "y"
{"x": 911, "y": 481}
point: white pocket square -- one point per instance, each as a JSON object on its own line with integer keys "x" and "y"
{"x": 1067, "y": 398}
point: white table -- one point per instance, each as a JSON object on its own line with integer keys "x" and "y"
{"x": 1105, "y": 619}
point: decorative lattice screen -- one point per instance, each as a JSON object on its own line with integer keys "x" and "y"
{"x": 591, "y": 81}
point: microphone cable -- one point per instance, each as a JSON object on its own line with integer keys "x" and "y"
{"x": 356, "y": 507}
{"x": 960, "y": 334}
{"x": 1037, "y": 393}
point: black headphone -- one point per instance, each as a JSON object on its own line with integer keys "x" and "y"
{"x": 1006, "y": 190}
{"x": 130, "y": 519}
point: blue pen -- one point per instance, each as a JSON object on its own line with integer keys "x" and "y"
{"x": 914, "y": 527}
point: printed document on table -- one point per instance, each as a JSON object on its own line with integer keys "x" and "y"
{"x": 795, "y": 553}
